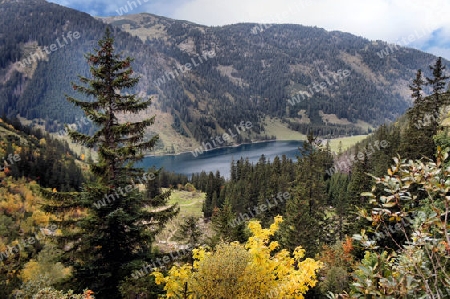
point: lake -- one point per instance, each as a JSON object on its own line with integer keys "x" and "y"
{"x": 220, "y": 159}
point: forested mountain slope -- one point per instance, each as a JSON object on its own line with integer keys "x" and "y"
{"x": 36, "y": 156}
{"x": 30, "y": 160}
{"x": 333, "y": 82}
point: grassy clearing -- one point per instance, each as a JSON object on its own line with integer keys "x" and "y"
{"x": 190, "y": 202}
{"x": 273, "y": 126}
{"x": 347, "y": 142}
{"x": 333, "y": 119}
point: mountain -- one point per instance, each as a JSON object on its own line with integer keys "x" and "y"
{"x": 205, "y": 80}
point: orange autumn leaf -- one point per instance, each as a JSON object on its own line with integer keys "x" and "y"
{"x": 347, "y": 245}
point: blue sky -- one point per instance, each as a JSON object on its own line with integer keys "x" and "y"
{"x": 418, "y": 24}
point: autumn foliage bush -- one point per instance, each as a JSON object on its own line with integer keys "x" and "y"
{"x": 256, "y": 269}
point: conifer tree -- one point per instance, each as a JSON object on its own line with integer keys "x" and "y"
{"x": 424, "y": 116}
{"x": 305, "y": 210}
{"x": 417, "y": 86}
{"x": 337, "y": 192}
{"x": 359, "y": 182}
{"x": 223, "y": 223}
{"x": 119, "y": 223}
{"x": 189, "y": 231}
{"x": 233, "y": 177}
{"x": 437, "y": 82}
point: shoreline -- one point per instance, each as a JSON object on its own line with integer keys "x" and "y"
{"x": 237, "y": 145}
{"x": 229, "y": 146}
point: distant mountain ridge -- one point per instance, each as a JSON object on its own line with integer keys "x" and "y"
{"x": 207, "y": 79}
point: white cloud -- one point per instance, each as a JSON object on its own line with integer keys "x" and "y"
{"x": 112, "y": 8}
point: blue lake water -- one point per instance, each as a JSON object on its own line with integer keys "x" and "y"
{"x": 220, "y": 159}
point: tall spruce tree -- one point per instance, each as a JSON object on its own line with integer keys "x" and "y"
{"x": 416, "y": 87}
{"x": 436, "y": 101}
{"x": 418, "y": 138}
{"x": 119, "y": 223}
{"x": 359, "y": 182}
{"x": 424, "y": 116}
{"x": 337, "y": 194}
{"x": 305, "y": 210}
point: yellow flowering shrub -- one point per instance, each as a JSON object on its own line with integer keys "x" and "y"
{"x": 257, "y": 269}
